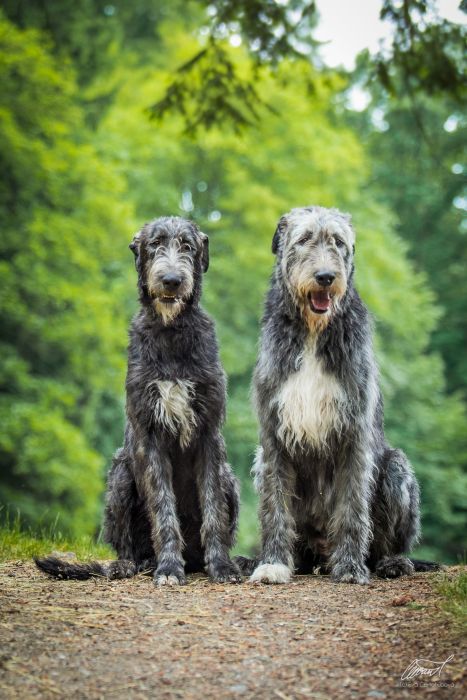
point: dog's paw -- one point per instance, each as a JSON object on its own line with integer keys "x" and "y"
{"x": 245, "y": 564}
{"x": 169, "y": 576}
{"x": 350, "y": 572}
{"x": 225, "y": 572}
{"x": 271, "y": 573}
{"x": 122, "y": 568}
{"x": 170, "y": 580}
{"x": 393, "y": 567}
{"x": 147, "y": 567}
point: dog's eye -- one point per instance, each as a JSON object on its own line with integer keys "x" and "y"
{"x": 185, "y": 247}
{"x": 304, "y": 239}
{"x": 155, "y": 243}
{"x": 339, "y": 242}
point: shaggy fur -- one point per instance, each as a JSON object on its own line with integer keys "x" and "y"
{"x": 333, "y": 493}
{"x": 172, "y": 499}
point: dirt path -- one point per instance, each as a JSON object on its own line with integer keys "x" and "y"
{"x": 310, "y": 639}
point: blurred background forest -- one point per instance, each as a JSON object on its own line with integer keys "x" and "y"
{"x": 113, "y": 113}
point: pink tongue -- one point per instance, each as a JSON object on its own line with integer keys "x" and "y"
{"x": 321, "y": 300}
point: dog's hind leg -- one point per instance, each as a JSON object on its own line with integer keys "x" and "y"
{"x": 396, "y": 519}
{"x": 165, "y": 527}
{"x": 245, "y": 564}
{"x": 218, "y": 495}
{"x": 125, "y": 524}
{"x": 120, "y": 499}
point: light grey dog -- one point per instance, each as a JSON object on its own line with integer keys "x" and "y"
{"x": 333, "y": 493}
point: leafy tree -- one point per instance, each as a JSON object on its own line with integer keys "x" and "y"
{"x": 207, "y": 88}
{"x": 93, "y": 33}
{"x": 420, "y": 175}
{"x": 63, "y": 292}
{"x": 427, "y": 53}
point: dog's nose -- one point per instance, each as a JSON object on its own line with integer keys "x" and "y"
{"x": 171, "y": 282}
{"x": 325, "y": 278}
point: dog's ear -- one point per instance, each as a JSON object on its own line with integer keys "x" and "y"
{"x": 204, "y": 251}
{"x": 135, "y": 243}
{"x": 281, "y": 228}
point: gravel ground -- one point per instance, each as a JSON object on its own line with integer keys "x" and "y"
{"x": 309, "y": 639}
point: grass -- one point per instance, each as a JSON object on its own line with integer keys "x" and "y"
{"x": 17, "y": 543}
{"x": 453, "y": 589}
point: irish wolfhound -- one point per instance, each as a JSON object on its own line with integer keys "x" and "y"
{"x": 172, "y": 499}
{"x": 332, "y": 491}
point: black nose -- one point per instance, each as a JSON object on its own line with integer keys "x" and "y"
{"x": 171, "y": 282}
{"x": 325, "y": 278}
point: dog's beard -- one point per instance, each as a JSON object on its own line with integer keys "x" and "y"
{"x": 166, "y": 304}
{"x": 168, "y": 311}
{"x": 316, "y": 322}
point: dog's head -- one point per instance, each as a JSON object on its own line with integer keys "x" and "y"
{"x": 314, "y": 248}
{"x": 170, "y": 256}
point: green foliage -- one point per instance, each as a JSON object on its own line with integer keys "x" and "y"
{"x": 62, "y": 299}
{"x": 415, "y": 141}
{"x": 93, "y": 33}
{"x": 427, "y": 53}
{"x": 418, "y": 170}
{"x": 272, "y": 30}
{"x": 208, "y": 89}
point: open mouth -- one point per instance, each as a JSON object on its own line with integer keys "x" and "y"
{"x": 320, "y": 302}
{"x": 168, "y": 299}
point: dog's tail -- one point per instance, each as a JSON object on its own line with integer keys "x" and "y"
{"x": 120, "y": 568}
{"x": 71, "y": 570}
{"x": 423, "y": 565}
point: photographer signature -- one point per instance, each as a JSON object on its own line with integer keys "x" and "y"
{"x": 425, "y": 667}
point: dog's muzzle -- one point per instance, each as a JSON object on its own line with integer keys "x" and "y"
{"x": 171, "y": 285}
{"x": 320, "y": 297}
{"x": 169, "y": 290}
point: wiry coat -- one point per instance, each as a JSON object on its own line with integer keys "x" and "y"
{"x": 172, "y": 499}
{"x": 333, "y": 493}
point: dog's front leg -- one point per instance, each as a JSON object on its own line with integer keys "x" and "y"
{"x": 162, "y": 510}
{"x": 275, "y": 482}
{"x": 350, "y": 528}
{"x": 215, "y": 529}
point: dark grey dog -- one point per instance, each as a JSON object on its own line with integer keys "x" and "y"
{"x": 332, "y": 491}
{"x": 172, "y": 499}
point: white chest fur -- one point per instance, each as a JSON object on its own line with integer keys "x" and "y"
{"x": 310, "y": 404}
{"x": 174, "y": 410}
